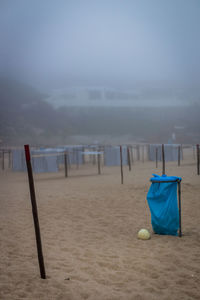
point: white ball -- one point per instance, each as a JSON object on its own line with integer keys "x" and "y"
{"x": 144, "y": 234}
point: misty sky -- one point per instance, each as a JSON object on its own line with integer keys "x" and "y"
{"x": 100, "y": 42}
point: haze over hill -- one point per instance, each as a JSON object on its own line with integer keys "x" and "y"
{"x": 126, "y": 45}
{"x": 102, "y": 69}
{"x": 26, "y": 117}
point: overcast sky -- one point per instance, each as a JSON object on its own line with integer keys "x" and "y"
{"x": 100, "y": 42}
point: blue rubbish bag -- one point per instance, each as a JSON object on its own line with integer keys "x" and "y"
{"x": 162, "y": 201}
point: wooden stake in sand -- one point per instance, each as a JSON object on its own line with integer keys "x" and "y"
{"x": 34, "y": 211}
{"x": 143, "y": 153}
{"x": 179, "y": 155}
{"x": 129, "y": 158}
{"x": 179, "y": 206}
{"x": 3, "y": 163}
{"x": 9, "y": 158}
{"x": 198, "y": 159}
{"x": 66, "y": 165}
{"x": 163, "y": 159}
{"x": 121, "y": 164}
{"x": 99, "y": 163}
{"x": 156, "y": 157}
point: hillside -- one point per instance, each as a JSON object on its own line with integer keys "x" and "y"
{"x": 25, "y": 117}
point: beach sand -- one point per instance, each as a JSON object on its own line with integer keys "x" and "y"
{"x": 89, "y": 226}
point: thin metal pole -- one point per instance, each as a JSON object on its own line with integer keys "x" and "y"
{"x": 163, "y": 159}
{"x": 34, "y": 211}
{"x": 121, "y": 164}
{"x": 179, "y": 204}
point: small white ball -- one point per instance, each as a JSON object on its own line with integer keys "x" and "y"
{"x": 144, "y": 234}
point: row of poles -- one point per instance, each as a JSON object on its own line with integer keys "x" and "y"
{"x": 34, "y": 204}
{"x": 3, "y": 153}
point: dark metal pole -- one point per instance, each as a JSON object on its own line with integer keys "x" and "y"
{"x": 179, "y": 205}
{"x": 121, "y": 164}
{"x": 34, "y": 211}
{"x": 163, "y": 159}
{"x": 66, "y": 165}
{"x": 197, "y": 159}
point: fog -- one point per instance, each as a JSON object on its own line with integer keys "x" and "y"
{"x": 108, "y": 42}
{"x": 103, "y": 53}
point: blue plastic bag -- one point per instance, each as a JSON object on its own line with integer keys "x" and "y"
{"x": 162, "y": 201}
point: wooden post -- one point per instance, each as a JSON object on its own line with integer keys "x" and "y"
{"x": 197, "y": 159}
{"x": 94, "y": 157}
{"x": 129, "y": 158}
{"x": 99, "y": 163}
{"x": 66, "y": 165}
{"x": 3, "y": 163}
{"x": 156, "y": 157}
{"x": 163, "y": 159}
{"x": 9, "y": 159}
{"x": 179, "y": 155}
{"x": 121, "y": 164}
{"x": 179, "y": 205}
{"x": 83, "y": 150}
{"x": 182, "y": 152}
{"x": 138, "y": 152}
{"x": 132, "y": 159}
{"x": 34, "y": 211}
{"x": 143, "y": 153}
{"x": 193, "y": 148}
{"x": 148, "y": 151}
{"x": 77, "y": 158}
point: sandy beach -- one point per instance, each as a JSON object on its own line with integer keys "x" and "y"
{"x": 89, "y": 226}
